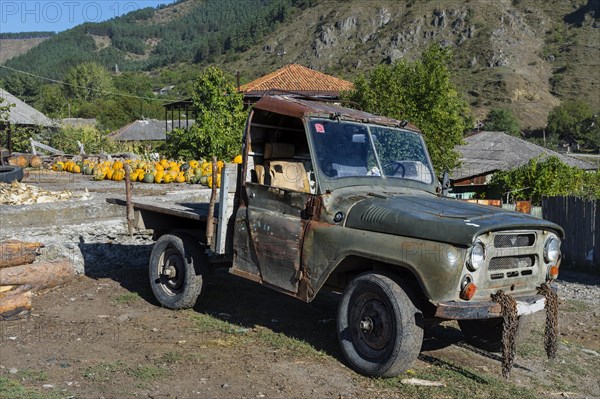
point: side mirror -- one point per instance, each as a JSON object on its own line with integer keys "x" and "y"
{"x": 445, "y": 183}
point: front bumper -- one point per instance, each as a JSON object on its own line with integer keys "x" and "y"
{"x": 453, "y": 310}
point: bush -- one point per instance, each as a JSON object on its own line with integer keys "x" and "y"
{"x": 93, "y": 140}
{"x": 548, "y": 178}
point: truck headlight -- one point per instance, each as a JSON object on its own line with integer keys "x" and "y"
{"x": 552, "y": 249}
{"x": 477, "y": 257}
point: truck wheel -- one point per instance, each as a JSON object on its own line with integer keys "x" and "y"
{"x": 176, "y": 271}
{"x": 380, "y": 330}
{"x": 487, "y": 334}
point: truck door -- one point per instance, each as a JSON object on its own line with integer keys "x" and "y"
{"x": 275, "y": 220}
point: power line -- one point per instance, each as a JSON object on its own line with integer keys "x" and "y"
{"x": 83, "y": 87}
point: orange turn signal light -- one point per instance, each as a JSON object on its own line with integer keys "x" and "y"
{"x": 553, "y": 272}
{"x": 468, "y": 291}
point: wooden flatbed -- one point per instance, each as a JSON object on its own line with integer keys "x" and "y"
{"x": 187, "y": 210}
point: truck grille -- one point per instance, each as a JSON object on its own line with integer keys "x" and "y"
{"x": 513, "y": 254}
{"x": 514, "y": 240}
{"x": 511, "y": 262}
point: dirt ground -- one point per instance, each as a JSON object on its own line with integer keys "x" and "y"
{"x": 103, "y": 335}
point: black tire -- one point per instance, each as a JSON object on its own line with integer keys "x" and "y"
{"x": 184, "y": 258}
{"x": 487, "y": 334}
{"x": 9, "y": 174}
{"x": 380, "y": 330}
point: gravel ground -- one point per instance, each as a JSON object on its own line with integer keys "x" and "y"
{"x": 579, "y": 287}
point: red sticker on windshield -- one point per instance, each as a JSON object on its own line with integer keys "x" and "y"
{"x": 319, "y": 128}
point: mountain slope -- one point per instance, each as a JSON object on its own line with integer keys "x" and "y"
{"x": 523, "y": 55}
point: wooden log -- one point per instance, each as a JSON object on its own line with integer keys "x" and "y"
{"x": 39, "y": 275}
{"x": 15, "y": 303}
{"x": 14, "y": 253}
{"x": 4, "y": 288}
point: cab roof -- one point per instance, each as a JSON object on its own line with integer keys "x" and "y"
{"x": 304, "y": 107}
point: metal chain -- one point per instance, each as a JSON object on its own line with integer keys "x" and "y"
{"x": 509, "y": 329}
{"x": 551, "y": 330}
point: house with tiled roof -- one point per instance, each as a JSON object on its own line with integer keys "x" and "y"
{"x": 291, "y": 78}
{"x": 298, "y": 79}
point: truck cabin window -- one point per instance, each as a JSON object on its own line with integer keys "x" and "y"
{"x": 348, "y": 149}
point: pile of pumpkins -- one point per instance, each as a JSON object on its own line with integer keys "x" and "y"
{"x": 163, "y": 171}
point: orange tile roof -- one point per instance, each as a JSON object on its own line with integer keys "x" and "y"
{"x": 298, "y": 78}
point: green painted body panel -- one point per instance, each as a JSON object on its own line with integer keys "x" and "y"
{"x": 438, "y": 219}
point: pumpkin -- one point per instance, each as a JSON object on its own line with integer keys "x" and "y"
{"x": 238, "y": 159}
{"x": 36, "y": 161}
{"x": 88, "y": 169}
{"x": 148, "y": 177}
{"x": 194, "y": 164}
{"x": 99, "y": 173}
{"x": 118, "y": 174}
{"x": 184, "y": 167}
{"x": 180, "y": 177}
{"x": 76, "y": 169}
{"x": 117, "y": 165}
{"x": 168, "y": 178}
{"x": 209, "y": 181}
{"x": 109, "y": 173}
{"x": 58, "y": 167}
{"x": 158, "y": 178}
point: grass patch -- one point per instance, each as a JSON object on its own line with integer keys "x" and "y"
{"x": 11, "y": 389}
{"x": 126, "y": 298}
{"x": 170, "y": 358}
{"x": 280, "y": 341}
{"x": 33, "y": 375}
{"x": 460, "y": 382}
{"x": 204, "y": 323}
{"x": 145, "y": 372}
{"x": 575, "y": 306}
{"x": 239, "y": 335}
{"x": 105, "y": 372}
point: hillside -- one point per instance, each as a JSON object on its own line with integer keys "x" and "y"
{"x": 13, "y": 45}
{"x": 523, "y": 55}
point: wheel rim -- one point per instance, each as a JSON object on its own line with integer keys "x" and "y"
{"x": 372, "y": 325}
{"x": 171, "y": 272}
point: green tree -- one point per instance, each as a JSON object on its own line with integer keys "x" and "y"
{"x": 547, "y": 178}
{"x": 422, "y": 93}
{"x": 219, "y": 115}
{"x": 502, "y": 120}
{"x": 52, "y": 102}
{"x": 574, "y": 119}
{"x": 4, "y": 111}
{"x": 87, "y": 82}
{"x": 93, "y": 140}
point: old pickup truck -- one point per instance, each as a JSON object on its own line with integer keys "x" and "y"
{"x": 335, "y": 198}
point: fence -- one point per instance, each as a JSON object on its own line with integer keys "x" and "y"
{"x": 581, "y": 221}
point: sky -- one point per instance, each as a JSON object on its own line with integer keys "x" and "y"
{"x": 60, "y": 15}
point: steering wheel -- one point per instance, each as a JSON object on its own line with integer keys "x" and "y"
{"x": 395, "y": 168}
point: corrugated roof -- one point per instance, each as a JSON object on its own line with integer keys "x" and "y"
{"x": 23, "y": 114}
{"x": 147, "y": 130}
{"x": 298, "y": 78}
{"x": 488, "y": 152}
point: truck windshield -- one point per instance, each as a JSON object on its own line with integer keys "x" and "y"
{"x": 348, "y": 149}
